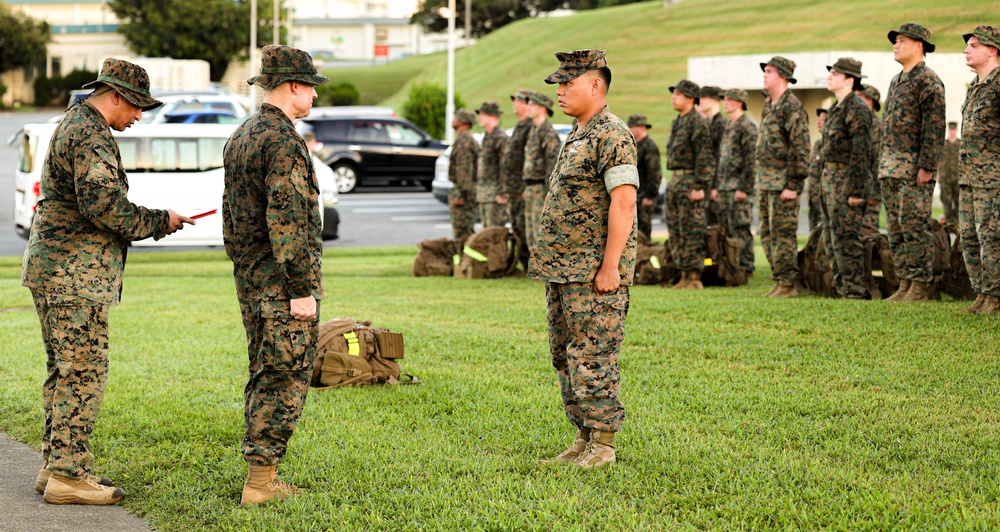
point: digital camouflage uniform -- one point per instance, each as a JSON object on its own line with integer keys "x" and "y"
{"x": 511, "y": 184}
{"x": 540, "y": 154}
{"x": 488, "y": 179}
{"x": 462, "y": 174}
{"x": 979, "y": 175}
{"x": 74, "y": 263}
{"x": 874, "y": 206}
{"x": 813, "y": 183}
{"x": 736, "y": 172}
{"x": 948, "y": 179}
{"x": 913, "y": 125}
{"x": 782, "y": 162}
{"x": 846, "y": 173}
{"x": 717, "y": 129}
{"x": 650, "y": 176}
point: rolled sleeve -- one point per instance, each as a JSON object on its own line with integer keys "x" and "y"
{"x": 626, "y": 174}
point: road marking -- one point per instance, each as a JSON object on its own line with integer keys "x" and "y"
{"x": 376, "y": 203}
{"x": 385, "y": 210}
{"x": 439, "y": 218}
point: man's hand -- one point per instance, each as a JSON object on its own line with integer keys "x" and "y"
{"x": 501, "y": 199}
{"x": 740, "y": 196}
{"x": 177, "y": 222}
{"x": 697, "y": 195}
{"x": 924, "y": 177}
{"x": 304, "y": 308}
{"x": 713, "y": 195}
{"x": 854, "y": 202}
{"x": 646, "y": 202}
{"x": 788, "y": 195}
{"x": 608, "y": 279}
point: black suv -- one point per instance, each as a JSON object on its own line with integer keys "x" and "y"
{"x": 361, "y": 150}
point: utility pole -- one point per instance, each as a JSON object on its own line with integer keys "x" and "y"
{"x": 449, "y": 108}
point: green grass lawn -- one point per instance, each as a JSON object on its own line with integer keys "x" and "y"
{"x": 743, "y": 412}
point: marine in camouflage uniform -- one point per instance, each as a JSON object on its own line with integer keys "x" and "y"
{"x": 948, "y": 175}
{"x": 689, "y": 157}
{"x": 586, "y": 253}
{"x": 650, "y": 173}
{"x": 871, "y": 97}
{"x": 73, "y": 266}
{"x": 709, "y": 102}
{"x": 846, "y": 178}
{"x": 540, "y": 153}
{"x": 782, "y": 166}
{"x": 979, "y": 170}
{"x": 272, "y": 232}
{"x": 735, "y": 176}
{"x": 491, "y": 212}
{"x": 912, "y": 128}
{"x": 511, "y": 168}
{"x": 462, "y": 174}
{"x": 816, "y": 173}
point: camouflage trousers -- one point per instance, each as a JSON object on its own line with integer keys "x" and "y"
{"x": 980, "y": 233}
{"x": 75, "y": 335}
{"x": 492, "y": 214}
{"x": 874, "y": 205}
{"x": 281, "y": 352}
{"x": 515, "y": 213}
{"x": 842, "y": 233}
{"x": 815, "y": 191}
{"x": 950, "y": 198}
{"x": 586, "y": 331}
{"x": 463, "y": 221}
{"x": 779, "y": 223}
{"x": 686, "y": 224}
{"x": 907, "y": 209}
{"x": 735, "y": 218}
{"x": 644, "y": 219}
{"x": 534, "y": 201}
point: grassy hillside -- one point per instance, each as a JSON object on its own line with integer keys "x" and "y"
{"x": 648, "y": 45}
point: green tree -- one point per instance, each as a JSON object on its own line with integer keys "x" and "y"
{"x": 425, "y": 107}
{"x": 22, "y": 39}
{"x": 217, "y": 31}
{"x": 343, "y": 93}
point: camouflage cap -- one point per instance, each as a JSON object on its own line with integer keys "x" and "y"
{"x": 129, "y": 80}
{"x": 737, "y": 94}
{"x": 914, "y": 31}
{"x": 279, "y": 64}
{"x": 543, "y": 100}
{"x": 490, "y": 108}
{"x": 820, "y": 111}
{"x": 786, "y": 67}
{"x": 872, "y": 93}
{"x": 522, "y": 95}
{"x": 987, "y": 35}
{"x": 848, "y": 66}
{"x": 575, "y": 63}
{"x": 465, "y": 115}
{"x": 953, "y": 125}
{"x": 688, "y": 88}
{"x": 638, "y": 120}
{"x": 712, "y": 92}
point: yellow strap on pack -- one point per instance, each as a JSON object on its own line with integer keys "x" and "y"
{"x": 474, "y": 254}
{"x": 456, "y": 259}
{"x": 352, "y": 343}
{"x": 708, "y": 261}
{"x": 654, "y": 261}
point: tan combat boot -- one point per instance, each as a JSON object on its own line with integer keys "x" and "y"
{"x": 43, "y": 478}
{"x": 575, "y": 450}
{"x": 904, "y": 287}
{"x": 774, "y": 289}
{"x": 976, "y": 305}
{"x": 684, "y": 282}
{"x": 990, "y": 306}
{"x": 263, "y": 485}
{"x": 917, "y": 292}
{"x": 600, "y": 450}
{"x": 785, "y": 289}
{"x": 694, "y": 281}
{"x": 83, "y": 490}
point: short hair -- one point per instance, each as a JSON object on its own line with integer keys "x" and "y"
{"x": 605, "y": 74}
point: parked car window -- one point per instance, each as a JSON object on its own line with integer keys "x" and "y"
{"x": 26, "y": 161}
{"x": 129, "y": 149}
{"x": 186, "y": 154}
{"x": 404, "y": 135}
{"x": 331, "y": 130}
{"x": 369, "y": 132}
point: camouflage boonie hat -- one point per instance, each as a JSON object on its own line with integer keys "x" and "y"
{"x": 465, "y": 115}
{"x": 638, "y": 120}
{"x": 914, "y": 31}
{"x": 952, "y": 125}
{"x": 490, "y": 108}
{"x": 737, "y": 94}
{"x": 712, "y": 92}
{"x": 987, "y": 35}
{"x": 543, "y": 100}
{"x": 786, "y": 67}
{"x": 522, "y": 95}
{"x": 279, "y": 64}
{"x": 573, "y": 64}
{"x": 822, "y": 111}
{"x": 129, "y": 80}
{"x": 848, "y": 66}
{"x": 874, "y": 94}
{"x": 688, "y": 88}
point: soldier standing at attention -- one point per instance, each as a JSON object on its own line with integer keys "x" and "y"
{"x": 73, "y": 266}
{"x": 782, "y": 166}
{"x": 491, "y": 212}
{"x": 511, "y": 167}
{"x": 912, "y": 128}
{"x": 846, "y": 176}
{"x": 871, "y": 97}
{"x": 710, "y": 105}
{"x": 585, "y": 253}
{"x": 540, "y": 153}
{"x": 816, "y": 173}
{"x": 735, "y": 176}
{"x": 948, "y": 175}
{"x": 650, "y": 173}
{"x": 979, "y": 173}
{"x": 462, "y": 174}
{"x": 272, "y": 232}
{"x": 689, "y": 157}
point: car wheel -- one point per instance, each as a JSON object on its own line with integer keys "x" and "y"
{"x": 347, "y": 177}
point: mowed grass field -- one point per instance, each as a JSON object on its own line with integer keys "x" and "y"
{"x": 744, "y": 413}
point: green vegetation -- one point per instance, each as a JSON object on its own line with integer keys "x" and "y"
{"x": 743, "y": 412}
{"x": 425, "y": 107}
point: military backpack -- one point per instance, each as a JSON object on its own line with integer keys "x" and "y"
{"x": 435, "y": 257}
{"x": 653, "y": 263}
{"x": 489, "y": 254}
{"x": 722, "y": 259}
{"x": 353, "y": 353}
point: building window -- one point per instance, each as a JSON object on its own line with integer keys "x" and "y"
{"x": 56, "y": 67}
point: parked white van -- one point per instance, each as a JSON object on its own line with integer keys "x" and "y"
{"x": 169, "y": 166}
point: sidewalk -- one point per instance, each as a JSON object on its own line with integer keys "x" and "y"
{"x": 23, "y": 509}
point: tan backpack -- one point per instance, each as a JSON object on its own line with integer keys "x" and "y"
{"x": 653, "y": 263}
{"x": 353, "y": 353}
{"x": 490, "y": 254}
{"x": 722, "y": 259}
{"x": 435, "y": 257}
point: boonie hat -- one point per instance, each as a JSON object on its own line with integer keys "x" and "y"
{"x": 465, "y": 115}
{"x": 987, "y": 35}
{"x": 849, "y": 67}
{"x": 712, "y": 92}
{"x": 688, "y": 88}
{"x": 573, "y": 64}
{"x": 872, "y": 93}
{"x": 129, "y": 80}
{"x": 822, "y": 111}
{"x": 952, "y": 125}
{"x": 543, "y": 100}
{"x": 739, "y": 95}
{"x": 522, "y": 95}
{"x": 279, "y": 64}
{"x": 914, "y": 31}
{"x": 786, "y": 67}
{"x": 490, "y": 108}
{"x": 638, "y": 120}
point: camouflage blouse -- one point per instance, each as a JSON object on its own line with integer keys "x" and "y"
{"x": 979, "y": 163}
{"x": 913, "y": 124}
{"x": 488, "y": 167}
{"x": 736, "y": 156}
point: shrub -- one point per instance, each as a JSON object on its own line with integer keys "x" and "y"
{"x": 425, "y": 107}
{"x": 343, "y": 93}
{"x": 56, "y": 89}
{"x": 3, "y": 90}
